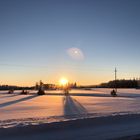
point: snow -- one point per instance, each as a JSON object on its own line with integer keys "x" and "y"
{"x": 18, "y": 110}
{"x": 102, "y": 128}
{"x": 84, "y": 115}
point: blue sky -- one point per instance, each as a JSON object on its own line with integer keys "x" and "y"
{"x": 36, "y": 34}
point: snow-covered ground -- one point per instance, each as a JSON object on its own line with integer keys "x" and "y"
{"x": 84, "y": 115}
{"x": 20, "y": 110}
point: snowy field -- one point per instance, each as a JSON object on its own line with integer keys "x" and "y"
{"x": 20, "y": 110}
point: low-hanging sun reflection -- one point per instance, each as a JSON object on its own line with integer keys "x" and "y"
{"x": 75, "y": 53}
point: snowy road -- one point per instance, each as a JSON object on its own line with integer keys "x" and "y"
{"x": 103, "y": 128}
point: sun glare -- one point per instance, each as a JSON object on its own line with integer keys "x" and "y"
{"x": 63, "y": 81}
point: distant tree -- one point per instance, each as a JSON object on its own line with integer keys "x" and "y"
{"x": 36, "y": 86}
{"x": 75, "y": 85}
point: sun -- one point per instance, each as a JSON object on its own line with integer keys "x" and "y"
{"x": 63, "y": 81}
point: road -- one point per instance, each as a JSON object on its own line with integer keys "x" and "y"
{"x": 103, "y": 128}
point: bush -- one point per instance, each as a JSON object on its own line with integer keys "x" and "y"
{"x": 41, "y": 92}
{"x": 113, "y": 93}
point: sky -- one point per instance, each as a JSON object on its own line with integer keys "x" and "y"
{"x": 81, "y": 40}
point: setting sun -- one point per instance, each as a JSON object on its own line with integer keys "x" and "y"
{"x": 63, "y": 81}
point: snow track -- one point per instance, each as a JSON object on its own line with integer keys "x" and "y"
{"x": 73, "y": 107}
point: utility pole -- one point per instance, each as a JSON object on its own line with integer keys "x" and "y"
{"x": 116, "y": 79}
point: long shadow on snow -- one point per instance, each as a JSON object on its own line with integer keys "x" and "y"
{"x": 72, "y": 108}
{"x": 17, "y": 101}
{"x": 13, "y": 95}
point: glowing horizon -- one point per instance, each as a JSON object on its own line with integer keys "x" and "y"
{"x": 80, "y": 80}
{"x": 81, "y": 40}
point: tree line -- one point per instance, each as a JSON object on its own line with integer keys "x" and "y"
{"x": 121, "y": 84}
{"x": 8, "y": 87}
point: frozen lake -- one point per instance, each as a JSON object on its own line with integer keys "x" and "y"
{"x": 16, "y": 109}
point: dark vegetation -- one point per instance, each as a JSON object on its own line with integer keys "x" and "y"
{"x": 8, "y": 87}
{"x": 120, "y": 84}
